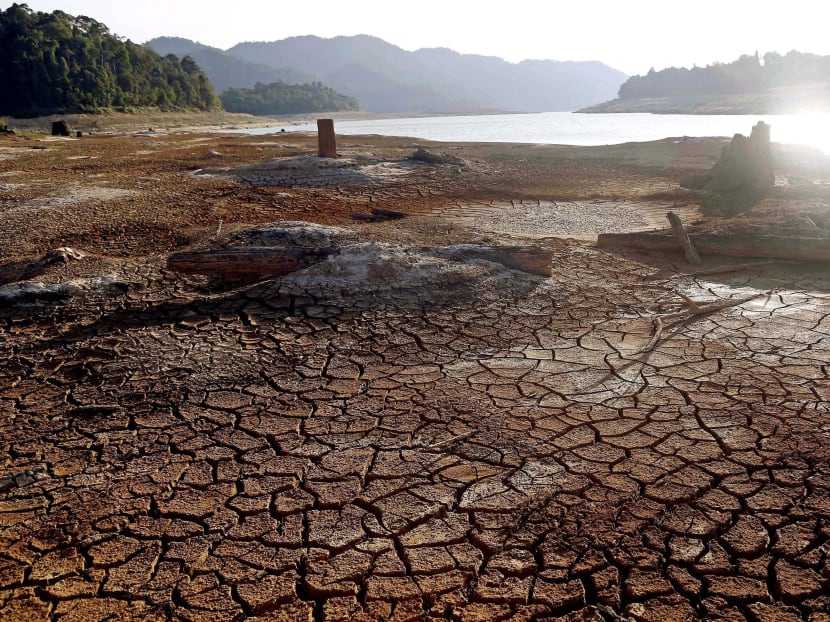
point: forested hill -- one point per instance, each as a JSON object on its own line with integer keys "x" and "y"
{"x": 58, "y": 63}
{"x": 223, "y": 69}
{"x": 745, "y": 75}
{"x": 275, "y": 90}
{"x": 780, "y": 83}
{"x": 386, "y": 78}
{"x": 281, "y": 98}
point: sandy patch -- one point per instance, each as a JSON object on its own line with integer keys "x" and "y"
{"x": 73, "y": 196}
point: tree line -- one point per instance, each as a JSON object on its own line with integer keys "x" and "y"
{"x": 745, "y": 75}
{"x": 283, "y": 98}
{"x": 58, "y": 63}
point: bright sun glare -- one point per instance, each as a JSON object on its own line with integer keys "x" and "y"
{"x": 806, "y": 128}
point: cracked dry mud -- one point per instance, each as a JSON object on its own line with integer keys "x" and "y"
{"x": 492, "y": 449}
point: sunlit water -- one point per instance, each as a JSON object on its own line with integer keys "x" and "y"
{"x": 566, "y": 128}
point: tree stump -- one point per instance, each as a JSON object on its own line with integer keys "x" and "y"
{"x": 59, "y": 128}
{"x": 741, "y": 177}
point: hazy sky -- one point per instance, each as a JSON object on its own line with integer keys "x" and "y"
{"x": 631, "y": 35}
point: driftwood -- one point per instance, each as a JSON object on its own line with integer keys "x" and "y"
{"x": 247, "y": 260}
{"x": 682, "y": 238}
{"x": 532, "y": 259}
{"x": 694, "y": 310}
{"x": 762, "y": 247}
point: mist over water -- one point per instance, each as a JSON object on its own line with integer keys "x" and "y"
{"x": 566, "y": 128}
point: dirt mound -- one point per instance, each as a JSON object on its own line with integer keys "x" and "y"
{"x": 314, "y": 172}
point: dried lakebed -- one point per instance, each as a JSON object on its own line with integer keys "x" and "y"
{"x": 499, "y": 450}
{"x": 482, "y": 445}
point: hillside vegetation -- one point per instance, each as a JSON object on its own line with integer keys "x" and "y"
{"x": 58, "y": 63}
{"x": 781, "y": 83}
{"x": 282, "y": 98}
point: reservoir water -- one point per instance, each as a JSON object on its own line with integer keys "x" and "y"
{"x": 567, "y": 128}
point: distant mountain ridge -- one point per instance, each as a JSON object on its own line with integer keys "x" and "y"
{"x": 224, "y": 70}
{"x": 386, "y": 78}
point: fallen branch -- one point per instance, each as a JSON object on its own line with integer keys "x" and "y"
{"x": 693, "y": 306}
{"x": 658, "y": 332}
{"x": 694, "y": 310}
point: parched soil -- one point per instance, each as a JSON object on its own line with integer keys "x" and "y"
{"x": 483, "y": 445}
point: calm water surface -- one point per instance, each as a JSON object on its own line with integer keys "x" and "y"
{"x": 566, "y": 128}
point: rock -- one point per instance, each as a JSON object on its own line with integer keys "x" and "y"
{"x": 430, "y": 157}
{"x": 33, "y": 293}
{"x": 741, "y": 177}
{"x": 64, "y": 255}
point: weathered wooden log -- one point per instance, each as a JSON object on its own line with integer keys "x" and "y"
{"x": 247, "y": 260}
{"x": 682, "y": 238}
{"x": 532, "y": 259}
{"x": 762, "y": 247}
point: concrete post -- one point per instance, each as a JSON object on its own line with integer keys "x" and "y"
{"x": 325, "y": 138}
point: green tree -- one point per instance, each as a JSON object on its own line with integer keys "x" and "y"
{"x": 59, "y": 63}
{"x": 283, "y": 98}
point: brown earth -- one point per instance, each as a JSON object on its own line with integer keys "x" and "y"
{"x": 489, "y": 446}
